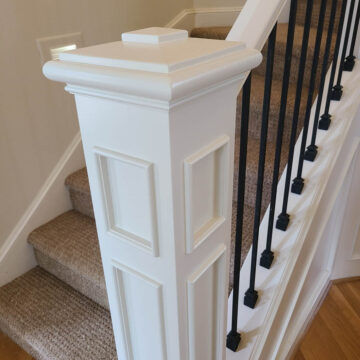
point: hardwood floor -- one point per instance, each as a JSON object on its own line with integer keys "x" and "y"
{"x": 334, "y": 334}
{"x": 11, "y": 351}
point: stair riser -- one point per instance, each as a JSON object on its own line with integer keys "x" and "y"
{"x": 82, "y": 202}
{"x": 250, "y": 187}
{"x": 77, "y": 281}
{"x": 256, "y": 119}
{"x": 278, "y": 71}
{"x": 301, "y": 14}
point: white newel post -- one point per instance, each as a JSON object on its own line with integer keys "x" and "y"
{"x": 157, "y": 119}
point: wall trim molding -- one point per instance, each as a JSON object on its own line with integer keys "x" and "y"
{"x": 303, "y": 321}
{"x": 197, "y": 17}
{"x": 16, "y": 256}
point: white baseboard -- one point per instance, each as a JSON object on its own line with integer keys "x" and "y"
{"x": 199, "y": 17}
{"x": 16, "y": 255}
{"x": 304, "y": 313}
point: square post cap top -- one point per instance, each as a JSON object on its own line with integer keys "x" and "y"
{"x": 154, "y": 35}
{"x": 162, "y": 56}
{"x": 157, "y": 50}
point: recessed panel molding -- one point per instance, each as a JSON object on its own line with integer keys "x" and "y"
{"x": 128, "y": 194}
{"x": 205, "y": 178}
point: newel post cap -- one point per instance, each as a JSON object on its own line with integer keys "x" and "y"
{"x": 156, "y": 63}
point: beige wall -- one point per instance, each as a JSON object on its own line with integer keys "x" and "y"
{"x": 217, "y": 3}
{"x": 37, "y": 118}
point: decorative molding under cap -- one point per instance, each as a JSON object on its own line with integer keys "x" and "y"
{"x": 168, "y": 67}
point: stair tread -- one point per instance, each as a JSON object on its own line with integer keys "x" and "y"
{"x": 221, "y": 32}
{"x": 71, "y": 239}
{"x": 280, "y": 49}
{"x": 211, "y": 32}
{"x": 50, "y": 320}
{"x": 257, "y": 92}
{"x": 253, "y": 156}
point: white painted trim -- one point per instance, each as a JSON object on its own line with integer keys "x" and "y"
{"x": 150, "y": 244}
{"x": 302, "y": 248}
{"x": 179, "y": 21}
{"x": 215, "y": 263}
{"x": 195, "y": 237}
{"x": 255, "y": 22}
{"x": 343, "y": 263}
{"x": 119, "y": 271}
{"x": 16, "y": 255}
{"x": 188, "y": 19}
{"x": 164, "y": 138}
{"x": 169, "y": 88}
{"x": 303, "y": 320}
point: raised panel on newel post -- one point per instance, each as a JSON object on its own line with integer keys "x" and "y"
{"x": 157, "y": 119}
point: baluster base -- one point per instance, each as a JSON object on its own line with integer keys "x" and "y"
{"x": 349, "y": 63}
{"x": 251, "y": 297}
{"x": 297, "y": 185}
{"x": 283, "y": 221}
{"x": 336, "y": 93}
{"x": 311, "y": 152}
{"x": 267, "y": 258}
{"x": 325, "y": 121}
{"x": 233, "y": 340}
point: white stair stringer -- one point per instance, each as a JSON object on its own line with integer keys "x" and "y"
{"x": 304, "y": 254}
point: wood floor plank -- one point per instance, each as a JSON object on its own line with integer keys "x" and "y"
{"x": 299, "y": 356}
{"x": 320, "y": 344}
{"x": 343, "y": 322}
{"x": 351, "y": 291}
{"x": 11, "y": 351}
{"x": 335, "y": 330}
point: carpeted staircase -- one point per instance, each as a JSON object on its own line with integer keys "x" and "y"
{"x": 59, "y": 310}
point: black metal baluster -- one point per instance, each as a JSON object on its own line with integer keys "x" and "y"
{"x": 326, "y": 117}
{"x": 267, "y": 255}
{"x": 337, "y": 89}
{"x": 298, "y": 182}
{"x": 251, "y": 295}
{"x": 233, "y": 337}
{"x": 350, "y": 60}
{"x": 284, "y": 218}
{"x": 311, "y": 150}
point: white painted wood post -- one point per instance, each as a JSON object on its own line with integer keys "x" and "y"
{"x": 157, "y": 118}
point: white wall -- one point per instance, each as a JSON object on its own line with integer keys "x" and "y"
{"x": 37, "y": 118}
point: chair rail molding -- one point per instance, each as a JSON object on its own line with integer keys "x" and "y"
{"x": 16, "y": 256}
{"x": 197, "y": 17}
{"x": 157, "y": 119}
